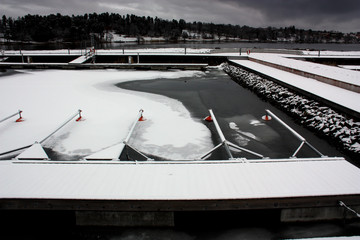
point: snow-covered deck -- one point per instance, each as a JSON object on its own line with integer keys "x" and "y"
{"x": 347, "y": 99}
{"x": 197, "y": 180}
{"x": 331, "y": 72}
{"x": 95, "y": 92}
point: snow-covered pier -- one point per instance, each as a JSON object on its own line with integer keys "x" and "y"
{"x": 299, "y": 189}
{"x": 332, "y": 85}
{"x": 104, "y": 59}
{"x": 99, "y": 190}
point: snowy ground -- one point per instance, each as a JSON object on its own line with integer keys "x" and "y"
{"x": 48, "y": 98}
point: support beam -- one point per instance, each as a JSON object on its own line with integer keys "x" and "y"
{"x": 138, "y": 118}
{"x": 12, "y": 115}
{"x": 223, "y": 140}
{"x": 47, "y": 137}
{"x": 297, "y": 135}
{"x": 221, "y": 135}
{"x": 78, "y": 113}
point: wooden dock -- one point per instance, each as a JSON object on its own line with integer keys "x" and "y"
{"x": 154, "y": 193}
{"x": 144, "y": 61}
{"x": 298, "y": 189}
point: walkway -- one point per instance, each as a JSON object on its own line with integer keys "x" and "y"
{"x": 345, "y": 98}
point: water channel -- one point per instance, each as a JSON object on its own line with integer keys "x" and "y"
{"x": 239, "y": 113}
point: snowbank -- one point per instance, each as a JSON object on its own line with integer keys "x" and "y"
{"x": 48, "y": 98}
{"x": 319, "y": 118}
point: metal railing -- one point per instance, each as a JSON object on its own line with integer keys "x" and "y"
{"x": 225, "y": 143}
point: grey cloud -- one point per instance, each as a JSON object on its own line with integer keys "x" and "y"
{"x": 338, "y": 15}
{"x": 310, "y": 13}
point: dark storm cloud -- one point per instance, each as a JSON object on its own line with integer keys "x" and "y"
{"x": 338, "y": 15}
{"x": 302, "y": 8}
{"x": 311, "y": 13}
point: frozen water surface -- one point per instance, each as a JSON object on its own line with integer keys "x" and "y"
{"x": 48, "y": 98}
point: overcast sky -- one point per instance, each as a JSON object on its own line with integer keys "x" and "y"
{"x": 339, "y": 15}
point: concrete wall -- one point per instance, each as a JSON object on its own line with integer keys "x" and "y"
{"x": 317, "y": 214}
{"x": 124, "y": 219}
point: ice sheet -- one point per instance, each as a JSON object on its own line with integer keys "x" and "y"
{"x": 48, "y": 98}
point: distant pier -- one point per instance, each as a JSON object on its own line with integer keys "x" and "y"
{"x": 105, "y": 60}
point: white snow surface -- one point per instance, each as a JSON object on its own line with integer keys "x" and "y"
{"x": 332, "y": 93}
{"x": 178, "y": 181}
{"x": 48, "y": 98}
{"x": 34, "y": 152}
{"x": 332, "y": 72}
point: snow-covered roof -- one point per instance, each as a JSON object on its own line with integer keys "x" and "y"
{"x": 115, "y": 180}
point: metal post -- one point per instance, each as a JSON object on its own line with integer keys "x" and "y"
{"x": 225, "y": 142}
{"x": 71, "y": 118}
{"x": 212, "y": 150}
{"x": 297, "y": 135}
{"x": 244, "y": 149}
{"x": 285, "y": 125}
{"x": 130, "y": 133}
{"x": 222, "y": 137}
{"x": 14, "y": 150}
{"x": 19, "y": 112}
{"x": 133, "y": 126}
{"x": 218, "y": 129}
{"x": 298, "y": 149}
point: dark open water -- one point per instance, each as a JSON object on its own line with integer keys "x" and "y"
{"x": 239, "y": 113}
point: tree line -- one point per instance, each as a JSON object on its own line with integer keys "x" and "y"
{"x": 57, "y": 27}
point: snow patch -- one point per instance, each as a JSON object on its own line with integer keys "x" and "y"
{"x": 49, "y": 97}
